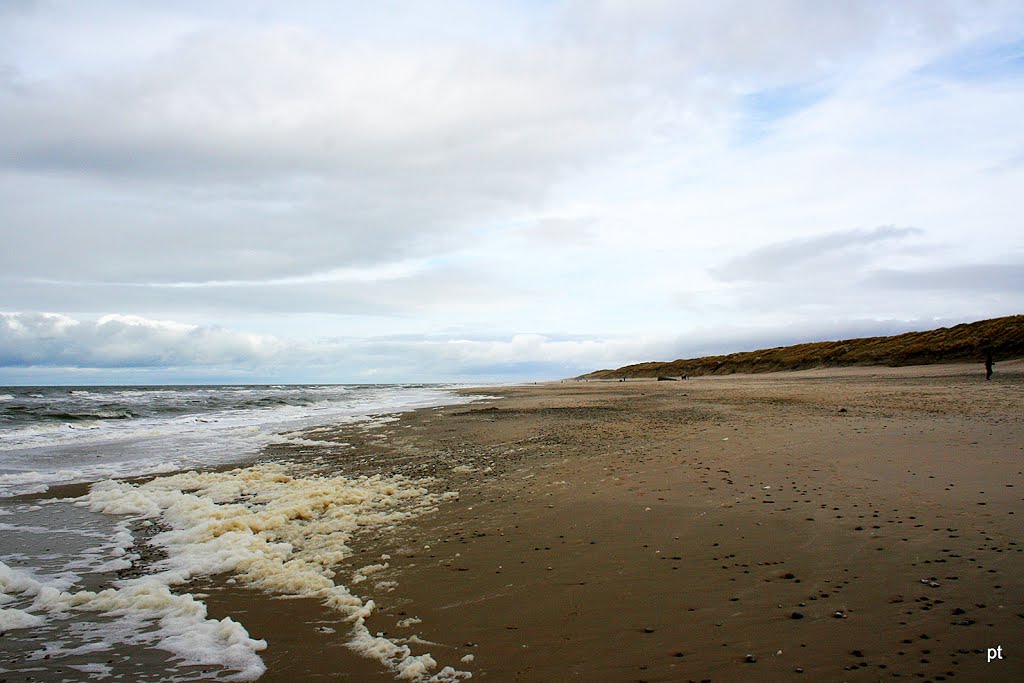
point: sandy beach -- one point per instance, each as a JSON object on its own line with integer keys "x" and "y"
{"x": 851, "y": 524}
{"x": 856, "y": 524}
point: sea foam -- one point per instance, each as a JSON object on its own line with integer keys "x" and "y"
{"x": 263, "y": 526}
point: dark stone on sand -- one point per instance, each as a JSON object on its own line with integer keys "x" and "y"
{"x": 959, "y": 610}
{"x": 750, "y": 659}
{"x": 796, "y": 615}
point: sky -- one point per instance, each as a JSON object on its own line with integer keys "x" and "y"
{"x": 248, "y": 191}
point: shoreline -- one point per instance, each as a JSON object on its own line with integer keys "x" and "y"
{"x": 75, "y": 584}
{"x": 663, "y": 531}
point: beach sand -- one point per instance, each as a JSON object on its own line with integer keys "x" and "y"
{"x": 855, "y": 524}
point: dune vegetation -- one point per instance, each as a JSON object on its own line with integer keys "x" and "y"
{"x": 969, "y": 342}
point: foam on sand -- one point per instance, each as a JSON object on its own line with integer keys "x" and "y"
{"x": 11, "y": 619}
{"x": 182, "y": 626}
{"x": 280, "y": 532}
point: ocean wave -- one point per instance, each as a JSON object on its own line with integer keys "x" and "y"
{"x": 192, "y": 426}
{"x": 124, "y": 414}
{"x": 19, "y": 483}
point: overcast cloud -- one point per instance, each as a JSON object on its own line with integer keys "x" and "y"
{"x": 495, "y": 190}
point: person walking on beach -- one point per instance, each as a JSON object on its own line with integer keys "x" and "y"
{"x": 988, "y": 364}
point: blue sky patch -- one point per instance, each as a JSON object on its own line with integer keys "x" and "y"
{"x": 762, "y": 109}
{"x": 981, "y": 61}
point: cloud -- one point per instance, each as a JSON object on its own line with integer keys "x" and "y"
{"x": 768, "y": 41}
{"x": 279, "y": 152}
{"x": 246, "y": 104}
{"x": 999, "y": 278}
{"x": 122, "y": 342}
{"x": 114, "y": 341}
{"x": 128, "y": 349}
{"x": 400, "y": 288}
{"x": 46, "y": 342}
{"x": 352, "y": 274}
{"x": 591, "y": 172}
{"x": 557, "y": 231}
{"x": 819, "y": 253}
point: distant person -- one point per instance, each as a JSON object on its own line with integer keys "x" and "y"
{"x": 988, "y": 365}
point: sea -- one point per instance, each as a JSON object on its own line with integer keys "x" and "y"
{"x": 99, "y": 587}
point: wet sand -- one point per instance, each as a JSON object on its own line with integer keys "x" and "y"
{"x": 857, "y": 524}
